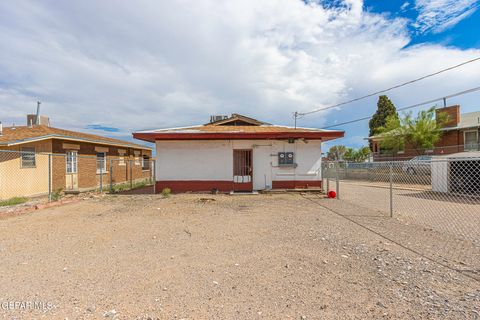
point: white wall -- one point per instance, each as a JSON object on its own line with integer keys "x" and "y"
{"x": 308, "y": 158}
{"x": 213, "y": 160}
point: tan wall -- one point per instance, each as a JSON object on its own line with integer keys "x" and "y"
{"x": 16, "y": 181}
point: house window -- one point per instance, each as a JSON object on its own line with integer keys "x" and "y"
{"x": 145, "y": 162}
{"x": 471, "y": 140}
{"x": 101, "y": 162}
{"x": 285, "y": 159}
{"x": 28, "y": 157}
{"x": 72, "y": 162}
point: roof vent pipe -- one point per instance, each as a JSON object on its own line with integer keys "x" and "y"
{"x": 37, "y": 118}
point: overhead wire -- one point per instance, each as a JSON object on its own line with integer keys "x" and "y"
{"x": 301, "y": 114}
{"x": 409, "y": 107}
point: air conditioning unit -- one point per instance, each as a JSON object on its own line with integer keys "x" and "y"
{"x": 216, "y": 118}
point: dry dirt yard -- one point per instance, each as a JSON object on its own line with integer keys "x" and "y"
{"x": 242, "y": 257}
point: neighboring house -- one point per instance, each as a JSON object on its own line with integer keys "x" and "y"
{"x": 75, "y": 160}
{"x": 461, "y": 133}
{"x": 237, "y": 153}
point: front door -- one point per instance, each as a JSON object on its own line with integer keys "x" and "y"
{"x": 72, "y": 171}
{"x": 242, "y": 170}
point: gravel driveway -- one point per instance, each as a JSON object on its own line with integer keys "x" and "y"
{"x": 221, "y": 257}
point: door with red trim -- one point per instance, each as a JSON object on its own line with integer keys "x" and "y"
{"x": 242, "y": 170}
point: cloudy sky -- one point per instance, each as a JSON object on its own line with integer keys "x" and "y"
{"x": 113, "y": 67}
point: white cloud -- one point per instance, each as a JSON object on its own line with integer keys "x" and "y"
{"x": 404, "y": 6}
{"x": 172, "y": 63}
{"x": 439, "y": 15}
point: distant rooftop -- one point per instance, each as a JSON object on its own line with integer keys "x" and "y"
{"x": 467, "y": 120}
{"x": 24, "y": 134}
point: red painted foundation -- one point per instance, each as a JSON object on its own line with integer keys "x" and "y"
{"x": 296, "y": 184}
{"x": 179, "y": 186}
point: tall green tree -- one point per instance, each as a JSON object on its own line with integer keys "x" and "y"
{"x": 341, "y": 152}
{"x": 419, "y": 133}
{"x": 357, "y": 155}
{"x": 385, "y": 109}
{"x": 336, "y": 152}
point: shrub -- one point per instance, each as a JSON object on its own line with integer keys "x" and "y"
{"x": 57, "y": 194}
{"x": 166, "y": 192}
{"x": 13, "y": 201}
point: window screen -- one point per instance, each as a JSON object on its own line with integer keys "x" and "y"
{"x": 28, "y": 157}
{"x": 72, "y": 162}
{"x": 285, "y": 159}
{"x": 471, "y": 140}
{"x": 101, "y": 162}
{"x": 145, "y": 162}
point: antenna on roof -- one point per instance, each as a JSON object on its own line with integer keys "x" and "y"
{"x": 37, "y": 118}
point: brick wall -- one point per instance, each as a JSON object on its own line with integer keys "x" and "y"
{"x": 450, "y": 142}
{"x": 88, "y": 177}
{"x": 452, "y": 113}
{"x": 58, "y": 172}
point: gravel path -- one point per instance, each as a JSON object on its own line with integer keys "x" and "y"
{"x": 245, "y": 257}
{"x": 443, "y": 212}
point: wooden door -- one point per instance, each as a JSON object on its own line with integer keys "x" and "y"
{"x": 242, "y": 170}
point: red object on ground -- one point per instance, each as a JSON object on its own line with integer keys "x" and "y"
{"x": 332, "y": 194}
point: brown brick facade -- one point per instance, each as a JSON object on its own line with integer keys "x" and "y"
{"x": 452, "y": 113}
{"x": 88, "y": 177}
{"x": 450, "y": 142}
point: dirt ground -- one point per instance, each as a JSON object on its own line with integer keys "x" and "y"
{"x": 233, "y": 257}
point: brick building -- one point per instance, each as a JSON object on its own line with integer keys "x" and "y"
{"x": 460, "y": 133}
{"x": 37, "y": 158}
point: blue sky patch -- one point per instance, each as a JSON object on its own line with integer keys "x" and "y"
{"x": 102, "y": 128}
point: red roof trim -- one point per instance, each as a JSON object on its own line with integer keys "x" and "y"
{"x": 153, "y": 136}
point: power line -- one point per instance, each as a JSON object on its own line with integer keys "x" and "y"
{"x": 388, "y": 89}
{"x": 409, "y": 107}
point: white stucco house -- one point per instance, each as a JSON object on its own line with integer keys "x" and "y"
{"x": 237, "y": 153}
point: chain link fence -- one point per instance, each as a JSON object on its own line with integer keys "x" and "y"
{"x": 128, "y": 175}
{"x": 31, "y": 174}
{"x": 432, "y": 206}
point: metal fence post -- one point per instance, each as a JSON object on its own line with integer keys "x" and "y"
{"x": 154, "y": 177}
{"x": 101, "y": 177}
{"x": 337, "y": 182}
{"x": 49, "y": 177}
{"x": 391, "y": 189}
{"x": 111, "y": 176}
{"x": 327, "y": 176}
{"x": 131, "y": 177}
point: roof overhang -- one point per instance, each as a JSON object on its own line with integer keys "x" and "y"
{"x": 156, "y": 136}
{"x": 68, "y": 138}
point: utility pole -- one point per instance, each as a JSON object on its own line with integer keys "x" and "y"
{"x": 295, "y": 116}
